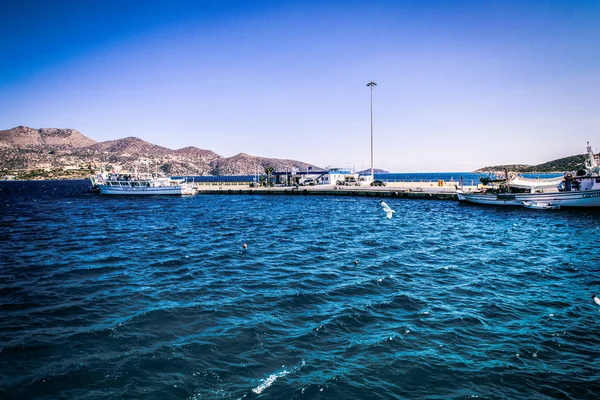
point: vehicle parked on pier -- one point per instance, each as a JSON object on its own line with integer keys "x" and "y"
{"x": 308, "y": 182}
{"x": 378, "y": 182}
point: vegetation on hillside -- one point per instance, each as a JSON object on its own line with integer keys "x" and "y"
{"x": 572, "y": 163}
{"x": 44, "y": 174}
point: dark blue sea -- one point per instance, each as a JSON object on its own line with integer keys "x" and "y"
{"x": 155, "y": 298}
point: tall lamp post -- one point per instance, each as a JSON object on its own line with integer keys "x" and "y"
{"x": 371, "y": 84}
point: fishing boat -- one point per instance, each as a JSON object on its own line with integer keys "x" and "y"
{"x": 140, "y": 184}
{"x": 573, "y": 190}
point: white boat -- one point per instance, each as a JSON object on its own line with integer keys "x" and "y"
{"x": 580, "y": 190}
{"x": 140, "y": 184}
{"x": 522, "y": 184}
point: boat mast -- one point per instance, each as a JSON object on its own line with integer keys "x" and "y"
{"x": 591, "y": 161}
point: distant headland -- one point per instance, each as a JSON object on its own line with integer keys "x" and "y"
{"x": 571, "y": 163}
{"x": 51, "y": 153}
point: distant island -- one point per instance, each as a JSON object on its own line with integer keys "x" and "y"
{"x": 375, "y": 171}
{"x": 51, "y": 153}
{"x": 571, "y": 163}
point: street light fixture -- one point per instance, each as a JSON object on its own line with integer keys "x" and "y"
{"x": 371, "y": 84}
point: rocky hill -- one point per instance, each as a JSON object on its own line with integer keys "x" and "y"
{"x": 564, "y": 164}
{"x": 23, "y": 137}
{"x": 66, "y": 153}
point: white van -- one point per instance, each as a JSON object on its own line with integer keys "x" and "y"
{"x": 308, "y": 182}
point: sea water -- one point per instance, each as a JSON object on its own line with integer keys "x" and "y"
{"x": 156, "y": 298}
{"x": 468, "y": 178}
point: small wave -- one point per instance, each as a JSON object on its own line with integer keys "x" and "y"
{"x": 302, "y": 300}
{"x": 466, "y": 321}
{"x": 20, "y": 306}
{"x": 403, "y": 301}
{"x": 170, "y": 263}
{"x": 87, "y": 272}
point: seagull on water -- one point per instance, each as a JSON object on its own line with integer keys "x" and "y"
{"x": 388, "y": 211}
{"x": 596, "y": 299}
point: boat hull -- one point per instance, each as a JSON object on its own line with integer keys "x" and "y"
{"x": 145, "y": 191}
{"x": 541, "y": 206}
{"x": 586, "y": 198}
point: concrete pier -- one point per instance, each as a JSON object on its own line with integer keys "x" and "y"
{"x": 439, "y": 190}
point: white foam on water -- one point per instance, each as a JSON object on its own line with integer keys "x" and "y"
{"x": 269, "y": 381}
{"x": 266, "y": 383}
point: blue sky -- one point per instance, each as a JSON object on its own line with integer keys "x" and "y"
{"x": 461, "y": 84}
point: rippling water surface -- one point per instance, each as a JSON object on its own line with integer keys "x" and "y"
{"x": 105, "y": 297}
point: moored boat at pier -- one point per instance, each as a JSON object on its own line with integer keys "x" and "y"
{"x": 573, "y": 190}
{"x": 140, "y": 184}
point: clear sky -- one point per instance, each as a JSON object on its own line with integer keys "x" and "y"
{"x": 461, "y": 84}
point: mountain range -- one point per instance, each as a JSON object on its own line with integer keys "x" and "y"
{"x": 29, "y": 153}
{"x": 62, "y": 153}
